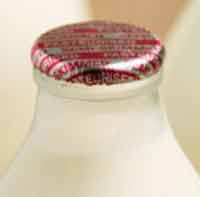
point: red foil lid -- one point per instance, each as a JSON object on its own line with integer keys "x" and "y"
{"x": 98, "y": 52}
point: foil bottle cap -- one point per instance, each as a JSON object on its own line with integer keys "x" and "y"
{"x": 98, "y": 52}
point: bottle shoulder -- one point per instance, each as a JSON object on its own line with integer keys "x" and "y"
{"x": 159, "y": 168}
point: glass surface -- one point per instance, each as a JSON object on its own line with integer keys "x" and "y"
{"x": 100, "y": 141}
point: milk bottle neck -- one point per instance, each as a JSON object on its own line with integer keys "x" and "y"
{"x": 90, "y": 126}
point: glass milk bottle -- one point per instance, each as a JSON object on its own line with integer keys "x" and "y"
{"x": 98, "y": 128}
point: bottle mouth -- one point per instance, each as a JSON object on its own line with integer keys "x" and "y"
{"x": 96, "y": 93}
{"x": 98, "y": 53}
